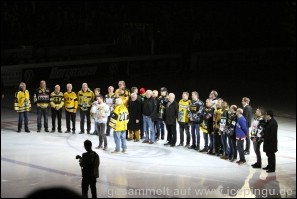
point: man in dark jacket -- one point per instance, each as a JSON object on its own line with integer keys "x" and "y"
{"x": 171, "y": 113}
{"x": 248, "y": 115}
{"x": 270, "y": 141}
{"x": 149, "y": 112}
{"x": 134, "y": 118}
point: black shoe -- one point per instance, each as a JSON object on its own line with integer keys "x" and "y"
{"x": 232, "y": 160}
{"x": 192, "y": 147}
{"x": 46, "y": 130}
{"x": 82, "y": 132}
{"x": 59, "y": 131}
{"x": 67, "y": 131}
{"x": 203, "y": 150}
{"x": 246, "y": 153}
{"x": 106, "y": 134}
{"x": 38, "y": 130}
{"x": 93, "y": 134}
{"x": 172, "y": 145}
{"x": 19, "y": 131}
{"x": 88, "y": 132}
{"x": 270, "y": 171}
{"x": 166, "y": 144}
{"x": 181, "y": 144}
{"x": 266, "y": 168}
{"x": 257, "y": 166}
{"x": 98, "y": 147}
{"x": 52, "y": 131}
{"x": 73, "y": 132}
{"x": 27, "y": 130}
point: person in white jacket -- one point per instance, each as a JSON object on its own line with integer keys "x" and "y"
{"x": 100, "y": 112}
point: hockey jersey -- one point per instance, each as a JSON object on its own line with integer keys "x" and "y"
{"x": 70, "y": 101}
{"x": 22, "y": 101}
{"x": 119, "y": 118}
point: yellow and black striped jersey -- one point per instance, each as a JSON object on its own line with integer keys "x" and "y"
{"x": 183, "y": 107}
{"x": 119, "y": 118}
{"x": 42, "y": 97}
{"x": 57, "y": 99}
{"x": 85, "y": 99}
{"x": 70, "y": 101}
{"x": 22, "y": 101}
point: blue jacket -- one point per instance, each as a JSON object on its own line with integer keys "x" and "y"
{"x": 241, "y": 128}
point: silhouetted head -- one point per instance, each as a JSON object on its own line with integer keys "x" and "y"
{"x": 88, "y": 145}
{"x": 54, "y": 192}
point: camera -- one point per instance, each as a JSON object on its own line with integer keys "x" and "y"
{"x": 78, "y": 157}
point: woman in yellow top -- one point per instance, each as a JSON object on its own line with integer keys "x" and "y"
{"x": 22, "y": 105}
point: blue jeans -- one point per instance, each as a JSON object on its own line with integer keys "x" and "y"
{"x": 120, "y": 138}
{"x": 224, "y": 143}
{"x": 148, "y": 127}
{"x": 195, "y": 131}
{"x": 22, "y": 116}
{"x": 160, "y": 129}
{"x": 42, "y": 112}
{"x": 239, "y": 144}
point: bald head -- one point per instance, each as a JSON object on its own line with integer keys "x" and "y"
{"x": 171, "y": 97}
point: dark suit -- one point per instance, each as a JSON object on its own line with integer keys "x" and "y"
{"x": 270, "y": 142}
{"x": 171, "y": 113}
{"x": 248, "y": 115}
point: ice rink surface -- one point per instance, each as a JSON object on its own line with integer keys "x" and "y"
{"x": 30, "y": 161}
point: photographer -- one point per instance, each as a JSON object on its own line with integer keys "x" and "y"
{"x": 89, "y": 163}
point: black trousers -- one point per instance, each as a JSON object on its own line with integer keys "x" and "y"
{"x": 184, "y": 126}
{"x": 271, "y": 160}
{"x": 56, "y": 114}
{"x": 247, "y": 143}
{"x": 257, "y": 146}
{"x": 107, "y": 127}
{"x": 85, "y": 187}
{"x": 72, "y": 116}
{"x": 84, "y": 114}
{"x": 171, "y": 134}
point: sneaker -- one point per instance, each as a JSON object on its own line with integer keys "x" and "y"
{"x": 67, "y": 131}
{"x": 124, "y": 151}
{"x": 240, "y": 162}
{"x": 224, "y": 157}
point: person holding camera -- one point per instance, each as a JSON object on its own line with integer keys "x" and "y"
{"x": 89, "y": 163}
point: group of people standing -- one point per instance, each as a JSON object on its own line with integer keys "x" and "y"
{"x": 136, "y": 116}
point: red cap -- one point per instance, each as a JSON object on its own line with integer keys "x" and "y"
{"x": 142, "y": 91}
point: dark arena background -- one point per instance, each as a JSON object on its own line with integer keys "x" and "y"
{"x": 240, "y": 49}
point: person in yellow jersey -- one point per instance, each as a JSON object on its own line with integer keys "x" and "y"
{"x": 22, "y": 105}
{"x": 70, "y": 105}
{"x": 42, "y": 101}
{"x": 85, "y": 99}
{"x": 123, "y": 93}
{"x": 119, "y": 119}
{"x": 57, "y": 103}
{"x": 183, "y": 120}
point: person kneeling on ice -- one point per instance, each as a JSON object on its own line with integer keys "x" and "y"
{"x": 118, "y": 121}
